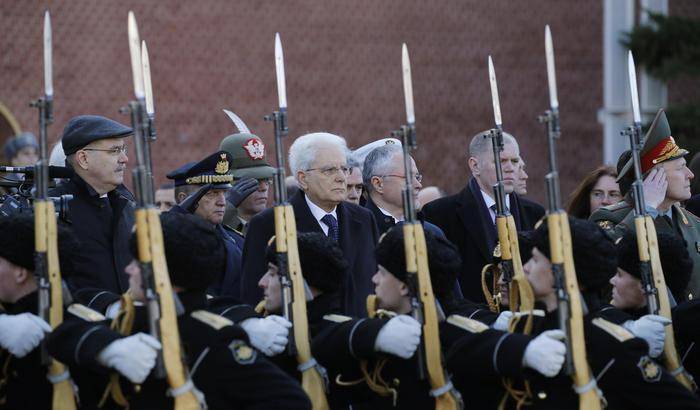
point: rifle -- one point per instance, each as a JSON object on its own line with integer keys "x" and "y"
{"x": 160, "y": 300}
{"x": 313, "y": 375}
{"x": 570, "y": 307}
{"x": 653, "y": 281}
{"x": 423, "y": 304}
{"x": 521, "y": 297}
{"x": 47, "y": 269}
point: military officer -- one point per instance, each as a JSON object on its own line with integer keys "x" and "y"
{"x": 666, "y": 184}
{"x": 204, "y": 185}
{"x": 251, "y": 169}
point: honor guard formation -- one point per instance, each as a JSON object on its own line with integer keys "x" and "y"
{"x": 359, "y": 288}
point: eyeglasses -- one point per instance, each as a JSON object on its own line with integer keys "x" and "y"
{"x": 418, "y": 177}
{"x": 330, "y": 171}
{"x": 600, "y": 195}
{"x": 268, "y": 181}
{"x": 112, "y": 151}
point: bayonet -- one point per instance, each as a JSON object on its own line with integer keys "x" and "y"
{"x": 494, "y": 95}
{"x": 279, "y": 66}
{"x": 147, "y": 87}
{"x": 237, "y": 121}
{"x": 407, "y": 86}
{"x": 48, "y": 72}
{"x": 633, "y": 89}
{"x": 551, "y": 73}
{"x": 135, "y": 51}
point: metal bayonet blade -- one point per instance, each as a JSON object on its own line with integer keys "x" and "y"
{"x": 407, "y": 85}
{"x": 238, "y": 122}
{"x": 494, "y": 94}
{"x": 551, "y": 73}
{"x": 279, "y": 66}
{"x": 135, "y": 52}
{"x": 147, "y": 86}
{"x": 633, "y": 88}
{"x": 48, "y": 73}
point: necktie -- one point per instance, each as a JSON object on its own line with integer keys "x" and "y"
{"x": 332, "y": 223}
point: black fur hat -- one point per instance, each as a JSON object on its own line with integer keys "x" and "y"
{"x": 444, "y": 261}
{"x": 322, "y": 263}
{"x": 595, "y": 256}
{"x": 675, "y": 261}
{"x": 17, "y": 243}
{"x": 194, "y": 251}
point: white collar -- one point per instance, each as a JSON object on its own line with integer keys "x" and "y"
{"x": 490, "y": 201}
{"x": 319, "y": 213}
{"x": 385, "y": 212}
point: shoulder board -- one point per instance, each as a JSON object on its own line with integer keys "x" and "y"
{"x": 535, "y": 312}
{"x": 470, "y": 325}
{"x": 685, "y": 214}
{"x": 211, "y": 319}
{"x": 337, "y": 318}
{"x": 85, "y": 313}
{"x": 616, "y": 331}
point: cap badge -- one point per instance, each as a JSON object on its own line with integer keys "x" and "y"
{"x": 222, "y": 166}
{"x": 255, "y": 148}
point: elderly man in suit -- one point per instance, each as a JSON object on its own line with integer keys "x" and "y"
{"x": 318, "y": 161}
{"x": 468, "y": 217}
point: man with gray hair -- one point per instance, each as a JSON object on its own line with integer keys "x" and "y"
{"x": 318, "y": 161}
{"x": 468, "y": 217}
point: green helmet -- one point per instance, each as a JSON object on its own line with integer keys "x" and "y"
{"x": 248, "y": 152}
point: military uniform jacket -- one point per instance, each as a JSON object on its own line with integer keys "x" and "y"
{"x": 229, "y": 372}
{"x": 358, "y": 237}
{"x": 466, "y": 222}
{"x": 618, "y": 219}
{"x": 23, "y": 382}
{"x": 103, "y": 227}
{"x": 230, "y": 283}
{"x": 628, "y": 378}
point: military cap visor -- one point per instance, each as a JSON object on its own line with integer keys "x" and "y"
{"x": 659, "y": 146}
{"x": 248, "y": 154}
{"x": 84, "y": 129}
{"x": 214, "y": 169}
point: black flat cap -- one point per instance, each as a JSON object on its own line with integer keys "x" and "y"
{"x": 213, "y": 169}
{"x": 84, "y": 129}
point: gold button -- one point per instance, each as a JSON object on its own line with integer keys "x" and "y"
{"x": 690, "y": 296}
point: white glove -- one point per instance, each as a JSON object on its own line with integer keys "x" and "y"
{"x": 20, "y": 334}
{"x": 132, "y": 356}
{"x": 113, "y": 309}
{"x": 269, "y": 335}
{"x": 502, "y": 322}
{"x": 546, "y": 353}
{"x": 651, "y": 329}
{"x": 400, "y": 336}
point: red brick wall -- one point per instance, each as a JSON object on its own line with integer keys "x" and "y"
{"x": 343, "y": 72}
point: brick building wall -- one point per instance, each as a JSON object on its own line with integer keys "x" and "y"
{"x": 343, "y": 72}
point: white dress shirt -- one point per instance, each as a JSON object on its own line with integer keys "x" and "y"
{"x": 319, "y": 213}
{"x": 490, "y": 202}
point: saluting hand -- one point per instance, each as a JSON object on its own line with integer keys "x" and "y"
{"x": 655, "y": 185}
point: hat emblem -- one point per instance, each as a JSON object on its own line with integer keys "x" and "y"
{"x": 222, "y": 165}
{"x": 255, "y": 148}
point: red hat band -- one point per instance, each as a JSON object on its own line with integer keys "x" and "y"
{"x": 664, "y": 150}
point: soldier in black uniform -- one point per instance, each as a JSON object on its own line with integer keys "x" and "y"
{"x": 200, "y": 189}
{"x": 222, "y": 365}
{"x": 627, "y": 376}
{"x": 23, "y": 382}
{"x": 102, "y": 210}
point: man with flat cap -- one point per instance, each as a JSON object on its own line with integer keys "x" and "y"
{"x": 253, "y": 175}
{"x": 200, "y": 189}
{"x": 102, "y": 209}
{"x": 666, "y": 184}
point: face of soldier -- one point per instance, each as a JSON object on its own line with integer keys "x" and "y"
{"x": 392, "y": 294}
{"x": 272, "y": 289}
{"x": 14, "y": 281}
{"x": 135, "y": 283}
{"x": 538, "y": 271}
{"x": 520, "y": 186}
{"x": 678, "y": 176}
{"x": 165, "y": 199}
{"x": 354, "y": 186}
{"x": 25, "y": 157}
{"x": 484, "y": 169}
{"x": 212, "y": 206}
{"x": 390, "y": 186}
{"x": 605, "y": 192}
{"x": 325, "y": 181}
{"x": 102, "y": 163}
{"x": 255, "y": 202}
{"x": 627, "y": 291}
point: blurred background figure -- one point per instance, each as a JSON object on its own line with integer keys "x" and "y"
{"x": 430, "y": 193}
{"x": 292, "y": 186}
{"x": 693, "y": 204}
{"x": 354, "y": 182}
{"x": 520, "y": 186}
{"x": 165, "y": 197}
{"x": 22, "y": 150}
{"x": 597, "y": 189}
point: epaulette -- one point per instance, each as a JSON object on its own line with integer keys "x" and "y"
{"x": 470, "y": 325}
{"x": 211, "y": 319}
{"x": 534, "y": 312}
{"x": 85, "y": 313}
{"x": 616, "y": 331}
{"x": 337, "y": 318}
